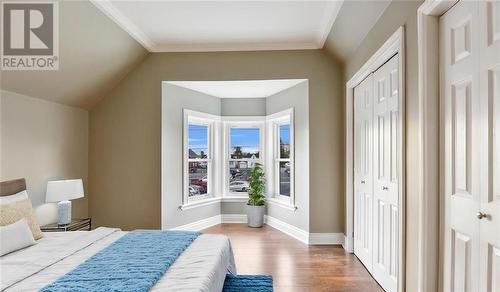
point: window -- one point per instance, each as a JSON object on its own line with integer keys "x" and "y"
{"x": 282, "y": 180}
{"x": 198, "y": 149}
{"x": 284, "y": 159}
{"x": 244, "y": 145}
{"x": 219, "y": 153}
{"x": 198, "y": 160}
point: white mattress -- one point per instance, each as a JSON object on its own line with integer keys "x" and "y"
{"x": 201, "y": 267}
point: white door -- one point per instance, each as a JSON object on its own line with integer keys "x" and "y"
{"x": 363, "y": 171}
{"x": 459, "y": 42}
{"x": 470, "y": 82}
{"x": 385, "y": 185}
{"x": 376, "y": 186}
{"x": 489, "y": 80}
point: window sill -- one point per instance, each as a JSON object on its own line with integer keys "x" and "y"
{"x": 234, "y": 199}
{"x": 200, "y": 203}
{"x": 280, "y": 203}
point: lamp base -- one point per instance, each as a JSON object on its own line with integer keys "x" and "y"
{"x": 64, "y": 212}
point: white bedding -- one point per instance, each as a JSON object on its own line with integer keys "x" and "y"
{"x": 201, "y": 267}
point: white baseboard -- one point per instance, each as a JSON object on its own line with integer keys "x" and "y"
{"x": 291, "y": 230}
{"x": 295, "y": 232}
{"x": 326, "y": 238}
{"x": 233, "y": 218}
{"x": 201, "y": 224}
{"x": 211, "y": 221}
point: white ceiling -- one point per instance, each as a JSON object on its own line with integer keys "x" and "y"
{"x": 176, "y": 26}
{"x": 239, "y": 89}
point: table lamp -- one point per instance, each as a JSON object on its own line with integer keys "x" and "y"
{"x": 62, "y": 191}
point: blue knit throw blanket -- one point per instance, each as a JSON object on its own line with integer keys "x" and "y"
{"x": 135, "y": 262}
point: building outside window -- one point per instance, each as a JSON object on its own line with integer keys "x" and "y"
{"x": 281, "y": 174}
{"x": 199, "y": 147}
{"x": 243, "y": 142}
{"x": 283, "y": 159}
{"x": 244, "y": 153}
{"x": 198, "y": 159}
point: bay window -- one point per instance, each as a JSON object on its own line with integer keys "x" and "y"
{"x": 219, "y": 153}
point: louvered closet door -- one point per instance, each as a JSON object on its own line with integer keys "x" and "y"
{"x": 363, "y": 171}
{"x": 385, "y": 188}
{"x": 489, "y": 80}
{"x": 463, "y": 144}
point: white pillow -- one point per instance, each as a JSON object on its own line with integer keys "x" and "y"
{"x": 22, "y": 195}
{"x": 15, "y": 236}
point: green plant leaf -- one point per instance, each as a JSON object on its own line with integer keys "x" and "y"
{"x": 257, "y": 186}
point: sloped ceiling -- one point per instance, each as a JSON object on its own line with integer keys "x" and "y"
{"x": 354, "y": 21}
{"x": 95, "y": 54}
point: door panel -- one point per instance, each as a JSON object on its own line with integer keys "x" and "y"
{"x": 461, "y": 264}
{"x": 492, "y": 281}
{"x": 394, "y": 241}
{"x": 385, "y": 185}
{"x": 461, "y": 139}
{"x": 494, "y": 98}
{"x": 489, "y": 74}
{"x": 363, "y": 161}
{"x": 492, "y": 16}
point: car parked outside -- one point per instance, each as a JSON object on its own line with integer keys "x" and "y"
{"x": 238, "y": 186}
{"x": 193, "y": 191}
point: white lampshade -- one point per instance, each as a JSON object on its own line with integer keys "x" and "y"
{"x": 63, "y": 190}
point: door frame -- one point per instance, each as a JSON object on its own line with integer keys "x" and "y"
{"x": 430, "y": 146}
{"x": 394, "y": 45}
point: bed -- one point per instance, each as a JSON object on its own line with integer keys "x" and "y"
{"x": 201, "y": 267}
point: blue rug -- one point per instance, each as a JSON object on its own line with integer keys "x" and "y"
{"x": 248, "y": 283}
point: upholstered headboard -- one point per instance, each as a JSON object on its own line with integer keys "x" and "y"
{"x": 11, "y": 187}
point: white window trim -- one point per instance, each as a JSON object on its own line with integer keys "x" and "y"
{"x": 219, "y": 150}
{"x": 212, "y": 122}
{"x": 240, "y": 122}
{"x": 282, "y": 203}
{"x": 200, "y": 203}
{"x": 273, "y": 123}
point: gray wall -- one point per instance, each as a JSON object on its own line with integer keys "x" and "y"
{"x": 243, "y": 106}
{"x": 297, "y": 98}
{"x": 125, "y": 131}
{"x": 41, "y": 141}
{"x": 174, "y": 100}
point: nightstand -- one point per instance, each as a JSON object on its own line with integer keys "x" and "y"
{"x": 75, "y": 225}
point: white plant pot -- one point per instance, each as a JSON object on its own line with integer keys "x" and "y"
{"x": 255, "y": 215}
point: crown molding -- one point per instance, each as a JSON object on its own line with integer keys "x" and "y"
{"x": 106, "y": 7}
{"x": 331, "y": 13}
{"x": 235, "y": 47}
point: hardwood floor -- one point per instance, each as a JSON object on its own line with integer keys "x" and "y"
{"x": 294, "y": 265}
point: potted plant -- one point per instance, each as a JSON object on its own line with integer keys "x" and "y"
{"x": 256, "y": 197}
